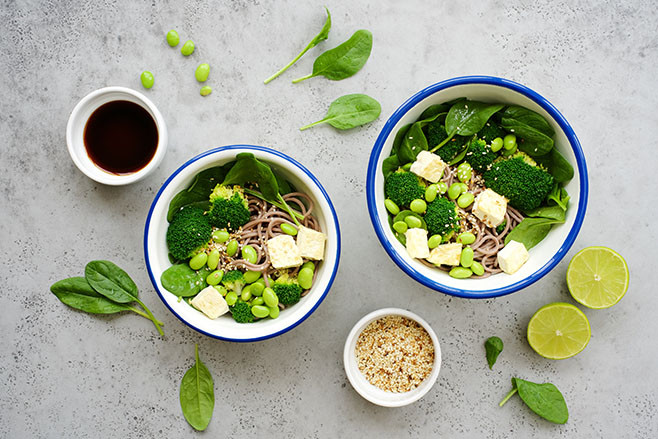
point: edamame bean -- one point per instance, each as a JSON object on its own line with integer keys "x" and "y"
{"x": 274, "y": 311}
{"x": 466, "y": 258}
{"x": 465, "y": 200}
{"x": 213, "y": 259}
{"x": 464, "y": 172}
{"x": 220, "y": 236}
{"x": 455, "y": 190}
{"x": 391, "y": 207}
{"x": 257, "y": 301}
{"x": 221, "y": 290}
{"x": 463, "y": 186}
{"x": 430, "y": 193}
{"x": 202, "y": 72}
{"x": 305, "y": 278}
{"x": 413, "y": 222}
{"x": 260, "y": 311}
{"x": 509, "y": 142}
{"x": 400, "y": 227}
{"x": 257, "y": 289}
{"x": 419, "y": 206}
{"x": 442, "y": 186}
{"x": 147, "y": 79}
{"x": 477, "y": 268}
{"x": 246, "y": 295}
{"x": 249, "y": 254}
{"x": 251, "y": 276}
{"x": 288, "y": 229}
{"x": 172, "y": 38}
{"x": 496, "y": 144}
{"x": 231, "y": 298}
{"x": 460, "y": 273}
{"x": 309, "y": 264}
{"x": 270, "y": 297}
{"x": 232, "y": 248}
{"x": 215, "y": 277}
{"x": 509, "y": 152}
{"x": 205, "y": 90}
{"x": 466, "y": 238}
{"x": 188, "y": 48}
{"x": 198, "y": 261}
{"x": 434, "y": 241}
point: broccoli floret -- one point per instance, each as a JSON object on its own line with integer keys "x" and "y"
{"x": 519, "y": 179}
{"x": 441, "y": 217}
{"x": 287, "y": 289}
{"x": 188, "y": 232}
{"x": 229, "y": 208}
{"x": 501, "y": 227}
{"x": 480, "y": 156}
{"x": 241, "y": 312}
{"x": 403, "y": 187}
{"x": 435, "y": 132}
{"x": 234, "y": 280}
{"x": 490, "y": 131}
{"x": 451, "y": 149}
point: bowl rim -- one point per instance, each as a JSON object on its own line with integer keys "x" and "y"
{"x": 300, "y": 167}
{"x": 373, "y": 169}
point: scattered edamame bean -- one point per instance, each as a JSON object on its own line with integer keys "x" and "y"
{"x": 213, "y": 259}
{"x": 477, "y": 268}
{"x": 251, "y": 276}
{"x": 172, "y": 38}
{"x": 509, "y": 152}
{"x": 274, "y": 311}
{"x": 249, "y": 254}
{"x": 257, "y": 289}
{"x": 220, "y": 236}
{"x": 198, "y": 261}
{"x": 442, "y": 186}
{"x": 215, "y": 277}
{"x": 309, "y": 264}
{"x": 246, "y": 295}
{"x": 466, "y": 258}
{"x": 434, "y": 241}
{"x": 466, "y": 238}
{"x": 464, "y": 172}
{"x": 305, "y": 278}
{"x": 231, "y": 298}
{"x": 221, "y": 290}
{"x": 257, "y": 301}
{"x": 509, "y": 142}
{"x": 496, "y": 144}
{"x": 270, "y": 297}
{"x": 260, "y": 311}
{"x": 455, "y": 190}
{"x": 419, "y": 206}
{"x": 430, "y": 193}
{"x": 413, "y": 222}
{"x": 202, "y": 72}
{"x": 147, "y": 79}
{"x": 391, "y": 207}
{"x": 188, "y": 48}
{"x": 463, "y": 186}
{"x": 205, "y": 90}
{"x": 232, "y": 248}
{"x": 465, "y": 200}
{"x": 400, "y": 227}
{"x": 288, "y": 229}
{"x": 460, "y": 273}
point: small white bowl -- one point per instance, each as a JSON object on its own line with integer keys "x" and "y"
{"x": 375, "y": 394}
{"x": 76, "y": 127}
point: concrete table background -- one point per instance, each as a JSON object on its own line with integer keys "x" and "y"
{"x": 69, "y": 374}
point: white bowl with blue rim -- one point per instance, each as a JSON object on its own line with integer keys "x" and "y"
{"x": 543, "y": 257}
{"x": 225, "y": 328}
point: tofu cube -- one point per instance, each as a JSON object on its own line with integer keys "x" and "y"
{"x": 417, "y": 243}
{"x": 428, "y": 166}
{"x": 311, "y": 243}
{"x": 210, "y": 302}
{"x": 512, "y": 257}
{"x": 446, "y": 254}
{"x": 490, "y": 207}
{"x": 283, "y": 252}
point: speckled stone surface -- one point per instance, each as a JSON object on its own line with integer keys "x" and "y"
{"x": 66, "y": 374}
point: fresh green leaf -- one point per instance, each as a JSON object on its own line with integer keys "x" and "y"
{"x": 532, "y": 128}
{"x": 544, "y": 399}
{"x": 556, "y": 213}
{"x": 197, "y": 394}
{"x": 493, "y": 347}
{"x": 558, "y": 166}
{"x": 350, "y": 111}
{"x": 77, "y": 293}
{"x": 466, "y": 118}
{"x": 390, "y": 165}
{"x": 559, "y": 197}
{"x": 248, "y": 168}
{"x": 434, "y": 110}
{"x": 531, "y": 231}
{"x": 414, "y": 140}
{"x": 323, "y": 35}
{"x": 182, "y": 281}
{"x": 399, "y": 137}
{"x": 529, "y": 118}
{"x": 200, "y": 189}
{"x": 459, "y": 157}
{"x": 344, "y": 60}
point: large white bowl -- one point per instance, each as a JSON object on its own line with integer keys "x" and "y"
{"x": 547, "y": 253}
{"x": 225, "y": 328}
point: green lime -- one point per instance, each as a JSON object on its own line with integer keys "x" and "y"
{"x": 558, "y": 331}
{"x": 597, "y": 277}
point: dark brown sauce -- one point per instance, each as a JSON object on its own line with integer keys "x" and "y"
{"x": 121, "y": 137}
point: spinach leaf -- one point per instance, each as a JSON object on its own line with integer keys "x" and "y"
{"x": 531, "y": 231}
{"x": 543, "y": 399}
{"x": 248, "y": 168}
{"x": 466, "y": 118}
{"x": 182, "y": 281}
{"x": 323, "y": 35}
{"x": 344, "y": 60}
{"x": 390, "y": 165}
{"x": 200, "y": 189}
{"x": 350, "y": 111}
{"x": 197, "y": 394}
{"x": 532, "y": 128}
{"x": 434, "y": 110}
{"x": 493, "y": 347}
{"x": 559, "y": 197}
{"x": 415, "y": 140}
{"x": 529, "y": 118}
{"x": 558, "y": 166}
{"x": 399, "y": 137}
{"x": 77, "y": 293}
{"x": 556, "y": 213}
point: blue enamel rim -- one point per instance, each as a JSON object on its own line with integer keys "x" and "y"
{"x": 373, "y": 169}
{"x": 244, "y": 148}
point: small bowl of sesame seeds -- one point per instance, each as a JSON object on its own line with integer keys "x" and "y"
{"x": 392, "y": 357}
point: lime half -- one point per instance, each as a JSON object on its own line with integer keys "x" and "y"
{"x": 558, "y": 331}
{"x": 597, "y": 277}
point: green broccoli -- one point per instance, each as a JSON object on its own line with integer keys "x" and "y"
{"x": 441, "y": 218}
{"x": 241, "y": 312}
{"x": 403, "y": 187}
{"x": 229, "y": 208}
{"x": 501, "y": 227}
{"x": 490, "y": 131}
{"x": 234, "y": 280}
{"x": 480, "y": 156}
{"x": 287, "y": 289}
{"x": 188, "y": 232}
{"x": 435, "y": 132}
{"x": 518, "y": 178}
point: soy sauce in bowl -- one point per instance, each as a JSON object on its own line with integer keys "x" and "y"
{"x": 121, "y": 137}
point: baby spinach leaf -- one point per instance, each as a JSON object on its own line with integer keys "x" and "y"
{"x": 466, "y": 118}
{"x": 529, "y": 118}
{"x": 323, "y": 35}
{"x": 412, "y": 144}
{"x": 350, "y": 111}
{"x": 200, "y": 189}
{"x": 399, "y": 137}
{"x": 558, "y": 166}
{"x": 344, "y": 60}
{"x": 532, "y": 128}
{"x": 390, "y": 165}
{"x": 493, "y": 347}
{"x": 543, "y": 399}
{"x": 182, "y": 281}
{"x": 77, "y": 293}
{"x": 434, "y": 110}
{"x": 531, "y": 231}
{"x": 556, "y": 213}
{"x": 248, "y": 168}
{"x": 197, "y": 394}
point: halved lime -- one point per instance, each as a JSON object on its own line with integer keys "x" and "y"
{"x": 597, "y": 277}
{"x": 558, "y": 331}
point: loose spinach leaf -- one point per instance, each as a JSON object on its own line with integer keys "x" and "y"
{"x": 466, "y": 118}
{"x": 249, "y": 169}
{"x": 531, "y": 231}
{"x": 390, "y": 165}
{"x": 559, "y": 197}
{"x": 544, "y": 399}
{"x": 532, "y": 128}
{"x": 323, "y": 35}
{"x": 200, "y": 189}
{"x": 529, "y": 118}
{"x": 350, "y": 111}
{"x": 558, "y": 166}
{"x": 182, "y": 281}
{"x": 197, "y": 394}
{"x": 344, "y": 60}
{"x": 77, "y": 293}
{"x": 493, "y": 347}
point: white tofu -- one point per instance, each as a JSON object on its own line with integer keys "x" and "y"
{"x": 283, "y": 252}
{"x": 446, "y": 254}
{"x": 311, "y": 243}
{"x": 417, "y": 243}
{"x": 428, "y": 166}
{"x": 512, "y": 257}
{"x": 210, "y": 302}
{"x": 490, "y": 207}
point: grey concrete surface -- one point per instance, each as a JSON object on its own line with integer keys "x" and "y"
{"x": 66, "y": 374}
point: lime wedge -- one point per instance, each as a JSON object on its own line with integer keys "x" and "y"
{"x": 558, "y": 331}
{"x": 597, "y": 277}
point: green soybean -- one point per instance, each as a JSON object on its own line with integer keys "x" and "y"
{"x": 257, "y": 301}
{"x": 400, "y": 226}
{"x": 309, "y": 264}
{"x": 455, "y": 190}
{"x": 391, "y": 207}
{"x": 221, "y": 290}
{"x": 477, "y": 268}
{"x": 460, "y": 273}
{"x": 231, "y": 298}
{"x": 466, "y": 258}
{"x": 147, "y": 79}
{"x": 431, "y": 192}
{"x": 509, "y": 142}
{"x": 270, "y": 297}
{"x": 202, "y": 72}
{"x": 246, "y": 295}
{"x": 172, "y": 38}
{"x": 205, "y": 90}
{"x": 413, "y": 222}
{"x": 257, "y": 289}
{"x": 496, "y": 144}
{"x": 249, "y": 254}
{"x": 442, "y": 186}
{"x": 509, "y": 152}
{"x": 251, "y": 276}
{"x": 220, "y": 236}
{"x": 188, "y": 48}
{"x": 434, "y": 241}
{"x": 213, "y": 259}
{"x": 288, "y": 229}
{"x": 418, "y": 206}
{"x": 466, "y": 238}
{"x": 305, "y": 278}
{"x": 215, "y": 277}
{"x": 464, "y": 172}
{"x": 465, "y": 200}
{"x": 274, "y": 311}
{"x": 232, "y": 248}
{"x": 260, "y": 311}
{"x": 198, "y": 261}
